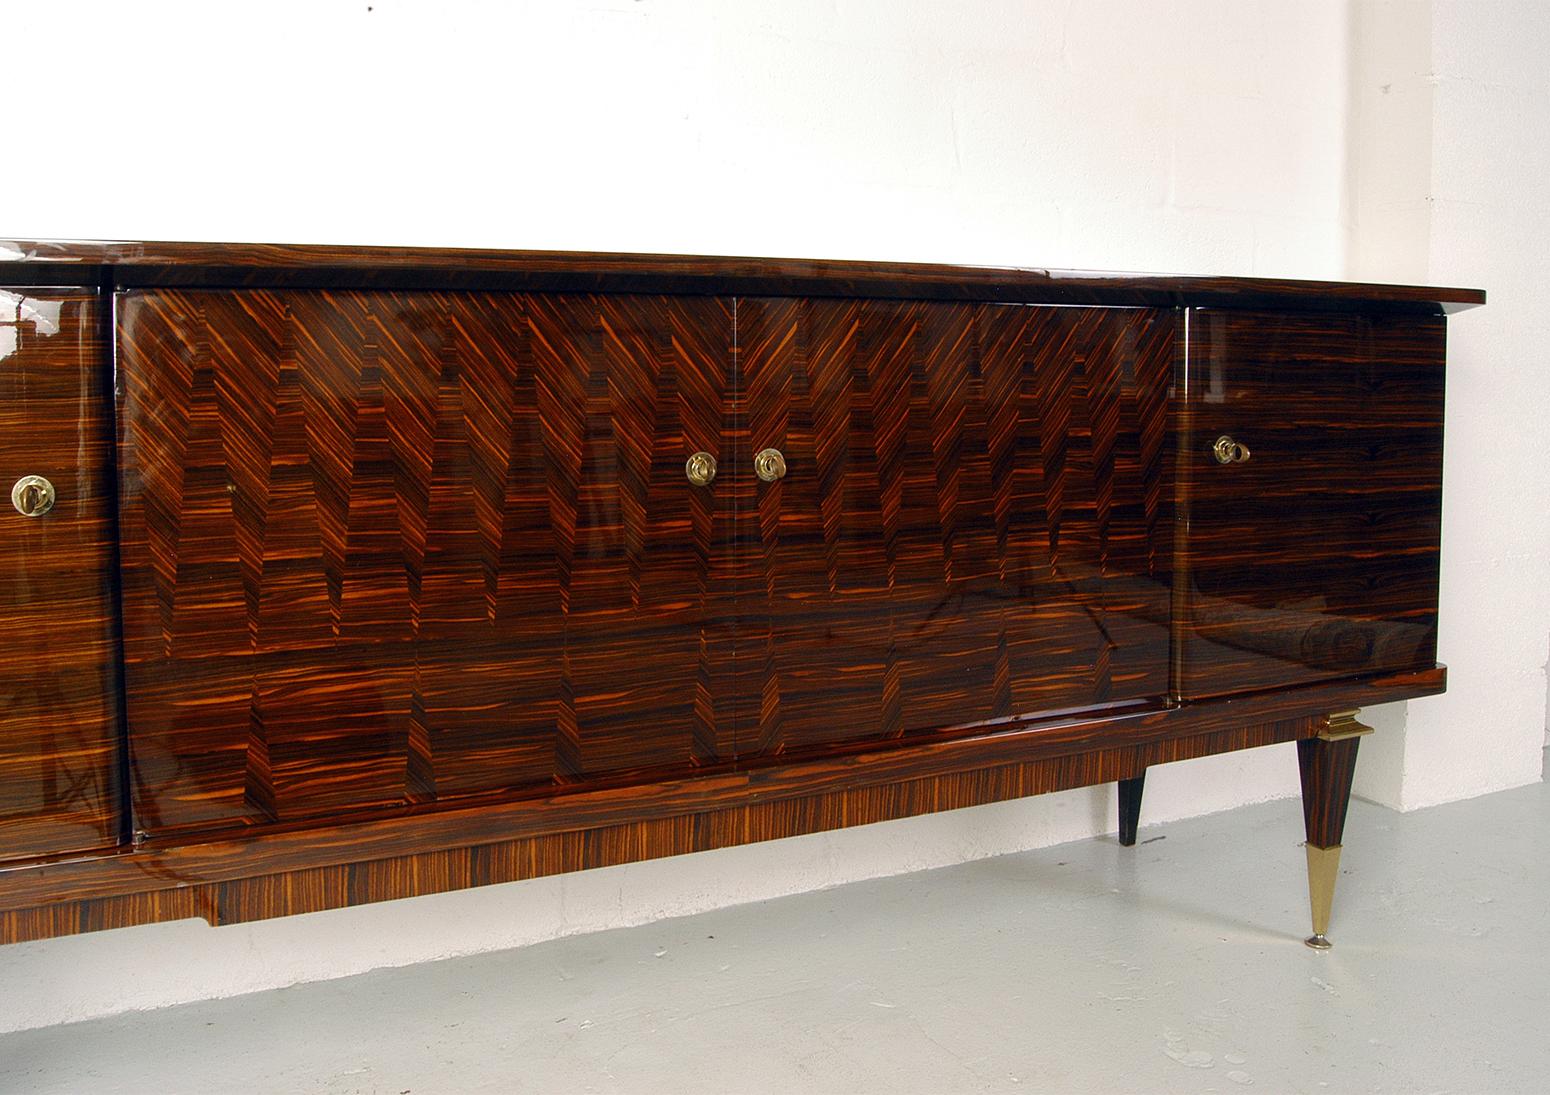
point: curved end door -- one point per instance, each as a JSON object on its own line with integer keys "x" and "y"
{"x": 59, "y": 718}
{"x": 1310, "y": 463}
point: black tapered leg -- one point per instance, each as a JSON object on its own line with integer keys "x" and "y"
{"x": 1327, "y": 764}
{"x": 1130, "y": 808}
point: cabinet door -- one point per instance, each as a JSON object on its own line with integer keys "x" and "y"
{"x": 1317, "y": 555}
{"x": 388, "y": 548}
{"x": 972, "y": 523}
{"x": 59, "y": 718}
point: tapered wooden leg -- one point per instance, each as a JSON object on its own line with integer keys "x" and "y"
{"x": 1130, "y": 808}
{"x": 1327, "y": 763}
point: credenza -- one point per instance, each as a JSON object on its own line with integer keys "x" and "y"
{"x": 333, "y": 575}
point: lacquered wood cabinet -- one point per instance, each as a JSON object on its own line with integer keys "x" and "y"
{"x": 413, "y": 570}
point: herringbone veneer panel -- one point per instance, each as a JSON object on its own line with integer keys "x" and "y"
{"x": 389, "y": 547}
{"x": 394, "y": 548}
{"x": 971, "y": 526}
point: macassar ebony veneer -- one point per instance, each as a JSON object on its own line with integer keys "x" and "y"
{"x": 337, "y": 575}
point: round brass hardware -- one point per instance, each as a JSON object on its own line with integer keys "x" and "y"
{"x": 770, "y": 465}
{"x": 33, "y": 496}
{"x": 701, "y": 469}
{"x": 1228, "y": 451}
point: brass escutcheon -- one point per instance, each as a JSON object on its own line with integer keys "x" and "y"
{"x": 33, "y": 496}
{"x": 770, "y": 465}
{"x": 701, "y": 469}
{"x": 1228, "y": 451}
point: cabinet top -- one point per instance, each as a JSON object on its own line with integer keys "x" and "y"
{"x": 123, "y": 264}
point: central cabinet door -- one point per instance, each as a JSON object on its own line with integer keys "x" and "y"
{"x": 386, "y": 548}
{"x": 972, "y": 523}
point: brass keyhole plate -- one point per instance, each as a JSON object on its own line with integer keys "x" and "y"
{"x": 32, "y": 495}
{"x": 1228, "y": 451}
{"x": 770, "y": 465}
{"x": 700, "y": 469}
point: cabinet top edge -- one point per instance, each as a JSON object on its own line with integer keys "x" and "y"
{"x": 130, "y": 264}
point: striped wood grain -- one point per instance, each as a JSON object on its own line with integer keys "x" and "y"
{"x": 384, "y": 548}
{"x": 1319, "y": 556}
{"x": 59, "y": 730}
{"x": 312, "y": 889}
{"x": 972, "y": 525}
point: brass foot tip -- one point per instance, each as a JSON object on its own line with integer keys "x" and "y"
{"x": 1317, "y": 941}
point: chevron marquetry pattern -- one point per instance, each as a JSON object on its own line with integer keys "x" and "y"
{"x": 383, "y": 548}
{"x": 389, "y": 548}
{"x": 972, "y": 525}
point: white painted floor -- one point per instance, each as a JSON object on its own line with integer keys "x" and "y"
{"x": 1174, "y": 966}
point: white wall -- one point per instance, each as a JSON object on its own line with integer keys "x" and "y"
{"x": 1448, "y": 176}
{"x": 975, "y": 132}
{"x": 1207, "y": 137}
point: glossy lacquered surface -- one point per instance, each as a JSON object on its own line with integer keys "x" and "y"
{"x": 397, "y": 548}
{"x": 386, "y": 548}
{"x": 971, "y": 525}
{"x": 228, "y": 884}
{"x": 275, "y": 870}
{"x": 1318, "y": 556}
{"x": 419, "y": 590}
{"x": 59, "y": 728}
{"x": 1326, "y": 769}
{"x": 234, "y": 265}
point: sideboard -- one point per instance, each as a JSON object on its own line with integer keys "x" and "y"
{"x": 333, "y": 575}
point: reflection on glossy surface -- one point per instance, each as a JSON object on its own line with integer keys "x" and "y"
{"x": 1318, "y": 558}
{"x": 58, "y": 727}
{"x": 972, "y": 524}
{"x": 387, "y": 548}
{"x": 410, "y": 530}
{"x": 396, "y": 548}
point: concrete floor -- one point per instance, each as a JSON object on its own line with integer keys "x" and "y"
{"x": 1173, "y": 966}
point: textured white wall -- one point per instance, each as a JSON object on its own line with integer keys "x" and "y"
{"x": 1206, "y": 137}
{"x": 1491, "y": 226}
{"x": 1448, "y": 170}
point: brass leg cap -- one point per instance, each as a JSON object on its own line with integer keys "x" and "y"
{"x": 1323, "y": 869}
